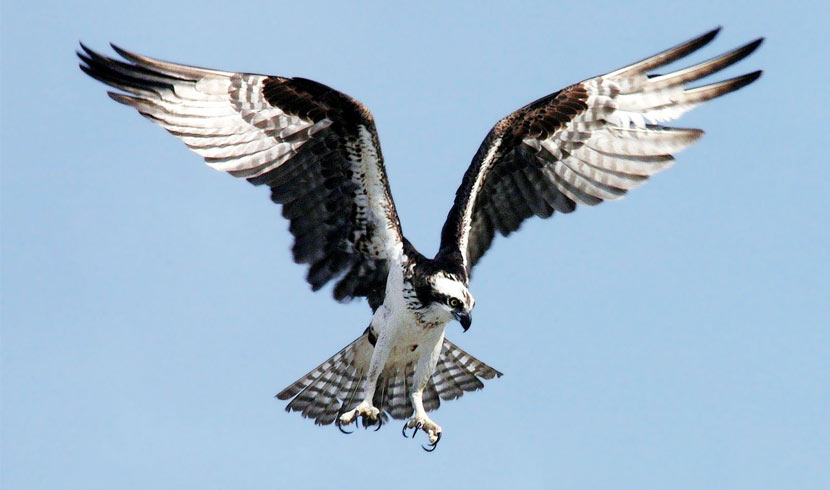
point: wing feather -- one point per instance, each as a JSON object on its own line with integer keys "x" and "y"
{"x": 316, "y": 148}
{"x": 588, "y": 143}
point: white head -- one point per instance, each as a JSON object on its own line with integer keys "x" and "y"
{"x": 445, "y": 298}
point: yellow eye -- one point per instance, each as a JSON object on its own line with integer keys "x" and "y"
{"x": 454, "y": 302}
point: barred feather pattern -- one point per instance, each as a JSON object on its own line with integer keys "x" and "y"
{"x": 336, "y": 385}
{"x": 316, "y": 148}
{"x": 588, "y": 143}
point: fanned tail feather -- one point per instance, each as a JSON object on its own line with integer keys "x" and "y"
{"x": 336, "y": 385}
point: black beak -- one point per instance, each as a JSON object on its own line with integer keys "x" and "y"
{"x": 464, "y": 319}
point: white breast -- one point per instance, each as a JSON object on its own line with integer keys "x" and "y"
{"x": 398, "y": 328}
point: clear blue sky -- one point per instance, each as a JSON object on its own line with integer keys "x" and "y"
{"x": 150, "y": 309}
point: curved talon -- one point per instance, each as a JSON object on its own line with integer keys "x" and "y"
{"x": 367, "y": 422}
{"x": 340, "y": 426}
{"x": 417, "y": 426}
{"x": 433, "y": 445}
{"x": 403, "y": 431}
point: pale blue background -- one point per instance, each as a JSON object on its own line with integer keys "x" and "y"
{"x": 676, "y": 339}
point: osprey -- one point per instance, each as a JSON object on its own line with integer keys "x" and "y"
{"x": 318, "y": 151}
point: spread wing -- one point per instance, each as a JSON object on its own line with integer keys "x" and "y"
{"x": 316, "y": 148}
{"x": 587, "y": 143}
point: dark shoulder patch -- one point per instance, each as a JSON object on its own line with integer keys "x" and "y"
{"x": 315, "y": 101}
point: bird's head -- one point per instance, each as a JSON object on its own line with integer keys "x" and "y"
{"x": 445, "y": 298}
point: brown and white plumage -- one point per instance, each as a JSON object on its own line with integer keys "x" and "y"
{"x": 315, "y": 147}
{"x": 318, "y": 151}
{"x": 587, "y": 143}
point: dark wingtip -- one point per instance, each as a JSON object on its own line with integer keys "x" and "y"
{"x": 748, "y": 48}
{"x": 86, "y": 69}
{"x": 121, "y": 51}
{"x": 742, "y": 81}
{"x": 711, "y": 34}
{"x": 751, "y": 77}
{"x": 669, "y": 55}
{"x": 83, "y": 54}
{"x": 702, "y": 40}
{"x": 698, "y": 42}
{"x": 88, "y": 52}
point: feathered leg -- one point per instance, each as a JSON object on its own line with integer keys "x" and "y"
{"x": 380, "y": 355}
{"x": 423, "y": 372}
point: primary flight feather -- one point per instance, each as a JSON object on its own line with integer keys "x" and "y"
{"x": 318, "y": 151}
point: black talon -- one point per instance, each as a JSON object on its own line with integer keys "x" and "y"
{"x": 380, "y": 422}
{"x": 433, "y": 445}
{"x": 340, "y": 426}
{"x": 403, "y": 431}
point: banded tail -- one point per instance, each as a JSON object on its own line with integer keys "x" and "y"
{"x": 336, "y": 385}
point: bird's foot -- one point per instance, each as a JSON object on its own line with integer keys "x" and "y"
{"x": 424, "y": 423}
{"x": 370, "y": 414}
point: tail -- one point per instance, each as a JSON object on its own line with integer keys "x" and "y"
{"x": 336, "y": 385}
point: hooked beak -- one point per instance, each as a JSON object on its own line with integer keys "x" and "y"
{"x": 464, "y": 319}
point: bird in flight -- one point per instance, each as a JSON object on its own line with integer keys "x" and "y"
{"x": 317, "y": 149}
